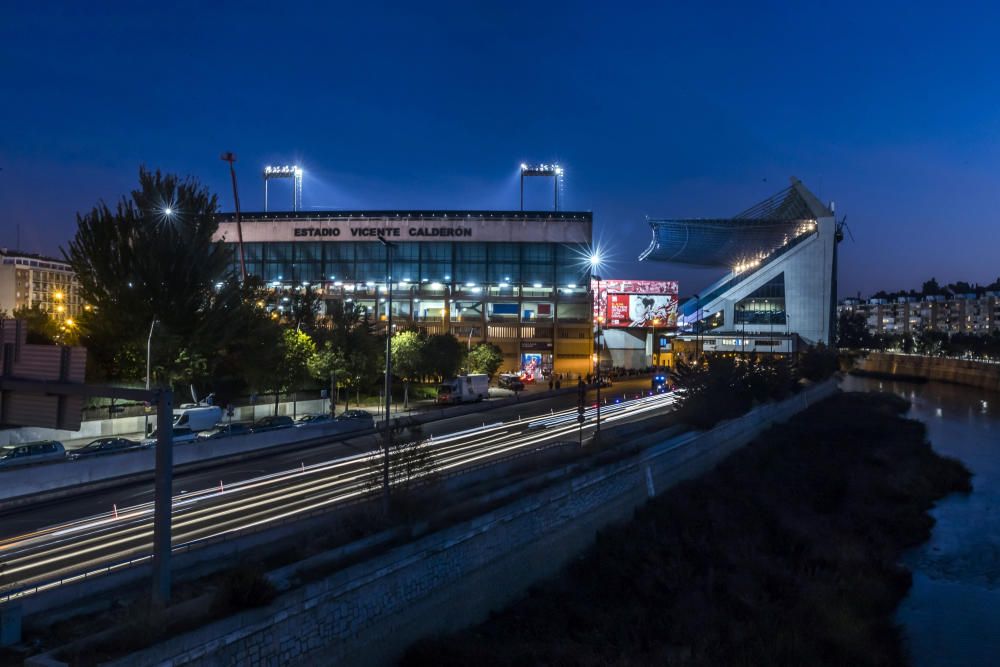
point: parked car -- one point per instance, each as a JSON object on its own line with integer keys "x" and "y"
{"x": 103, "y": 446}
{"x": 351, "y": 415}
{"x": 224, "y": 431}
{"x": 272, "y": 423}
{"x": 181, "y": 435}
{"x": 305, "y": 420}
{"x": 354, "y": 420}
{"x": 31, "y": 452}
{"x": 512, "y": 382}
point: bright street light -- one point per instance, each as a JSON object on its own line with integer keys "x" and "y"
{"x": 168, "y": 211}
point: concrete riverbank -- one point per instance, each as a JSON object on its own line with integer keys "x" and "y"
{"x": 971, "y": 373}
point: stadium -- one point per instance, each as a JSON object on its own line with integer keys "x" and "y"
{"x": 779, "y": 289}
{"x": 518, "y": 279}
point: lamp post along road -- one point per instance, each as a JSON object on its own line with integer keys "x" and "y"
{"x": 149, "y": 355}
{"x": 388, "y": 374}
{"x": 595, "y": 262}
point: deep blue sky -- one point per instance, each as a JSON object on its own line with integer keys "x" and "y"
{"x": 892, "y": 111}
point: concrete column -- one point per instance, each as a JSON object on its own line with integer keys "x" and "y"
{"x": 163, "y": 497}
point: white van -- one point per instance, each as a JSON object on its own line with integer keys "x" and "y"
{"x": 200, "y": 418}
{"x": 464, "y": 389}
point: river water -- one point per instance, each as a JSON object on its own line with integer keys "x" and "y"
{"x": 952, "y": 614}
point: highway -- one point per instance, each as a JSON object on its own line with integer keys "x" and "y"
{"x": 91, "y": 543}
{"x": 29, "y": 518}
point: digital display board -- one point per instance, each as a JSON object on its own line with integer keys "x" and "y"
{"x": 636, "y": 303}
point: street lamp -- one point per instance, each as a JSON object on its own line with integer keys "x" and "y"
{"x": 595, "y": 261}
{"x": 149, "y": 355}
{"x": 388, "y": 371}
{"x": 697, "y": 331}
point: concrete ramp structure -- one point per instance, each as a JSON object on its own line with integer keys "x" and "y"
{"x": 780, "y": 285}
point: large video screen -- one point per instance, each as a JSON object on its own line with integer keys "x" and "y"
{"x": 636, "y": 303}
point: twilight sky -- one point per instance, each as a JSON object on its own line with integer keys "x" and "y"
{"x": 890, "y": 110}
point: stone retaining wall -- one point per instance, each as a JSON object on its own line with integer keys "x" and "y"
{"x": 978, "y": 374}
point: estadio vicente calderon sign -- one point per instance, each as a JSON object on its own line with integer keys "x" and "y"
{"x": 557, "y": 229}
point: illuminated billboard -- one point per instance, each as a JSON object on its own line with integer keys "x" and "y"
{"x": 635, "y": 303}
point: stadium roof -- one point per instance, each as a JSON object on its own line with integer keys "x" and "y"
{"x": 748, "y": 236}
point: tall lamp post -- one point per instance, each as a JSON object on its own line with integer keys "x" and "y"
{"x": 595, "y": 263}
{"x": 388, "y": 372}
{"x": 231, "y": 158}
{"x": 149, "y": 356}
{"x": 697, "y": 330}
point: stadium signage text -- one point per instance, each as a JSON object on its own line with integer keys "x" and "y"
{"x": 393, "y": 232}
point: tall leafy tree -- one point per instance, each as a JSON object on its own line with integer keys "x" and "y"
{"x": 443, "y": 355}
{"x": 297, "y": 348}
{"x": 407, "y": 354}
{"x": 151, "y": 257}
{"x": 485, "y": 358}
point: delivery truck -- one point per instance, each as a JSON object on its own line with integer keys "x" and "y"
{"x": 464, "y": 389}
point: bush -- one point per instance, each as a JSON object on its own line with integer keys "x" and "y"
{"x": 244, "y": 587}
{"x": 786, "y": 554}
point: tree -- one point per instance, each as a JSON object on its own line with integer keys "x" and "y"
{"x": 408, "y": 349}
{"x": 852, "y": 331}
{"x": 402, "y": 460}
{"x": 485, "y": 358}
{"x": 351, "y": 349}
{"x": 931, "y": 288}
{"x": 329, "y": 365}
{"x": 301, "y": 307}
{"x": 293, "y": 367}
{"x": 150, "y": 258}
{"x": 443, "y": 355}
{"x": 45, "y": 329}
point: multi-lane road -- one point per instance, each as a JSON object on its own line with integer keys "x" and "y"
{"x": 123, "y": 533}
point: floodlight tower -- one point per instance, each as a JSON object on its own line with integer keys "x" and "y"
{"x": 293, "y": 172}
{"x": 553, "y": 170}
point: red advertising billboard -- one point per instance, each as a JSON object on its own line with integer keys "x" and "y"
{"x": 636, "y": 303}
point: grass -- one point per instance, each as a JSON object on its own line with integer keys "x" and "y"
{"x": 786, "y": 554}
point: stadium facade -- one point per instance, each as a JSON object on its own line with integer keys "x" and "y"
{"x": 780, "y": 285}
{"x": 518, "y": 279}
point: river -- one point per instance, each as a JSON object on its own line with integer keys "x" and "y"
{"x": 952, "y": 614}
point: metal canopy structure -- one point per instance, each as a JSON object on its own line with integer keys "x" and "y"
{"x": 745, "y": 238}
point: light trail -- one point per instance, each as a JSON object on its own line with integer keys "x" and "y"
{"x": 86, "y": 546}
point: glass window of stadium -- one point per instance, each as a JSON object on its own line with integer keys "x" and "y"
{"x": 429, "y": 310}
{"x": 764, "y": 306}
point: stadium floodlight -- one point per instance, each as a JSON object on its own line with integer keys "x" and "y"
{"x": 293, "y": 172}
{"x": 553, "y": 171}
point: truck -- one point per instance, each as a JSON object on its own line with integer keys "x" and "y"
{"x": 198, "y": 418}
{"x": 464, "y": 388}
